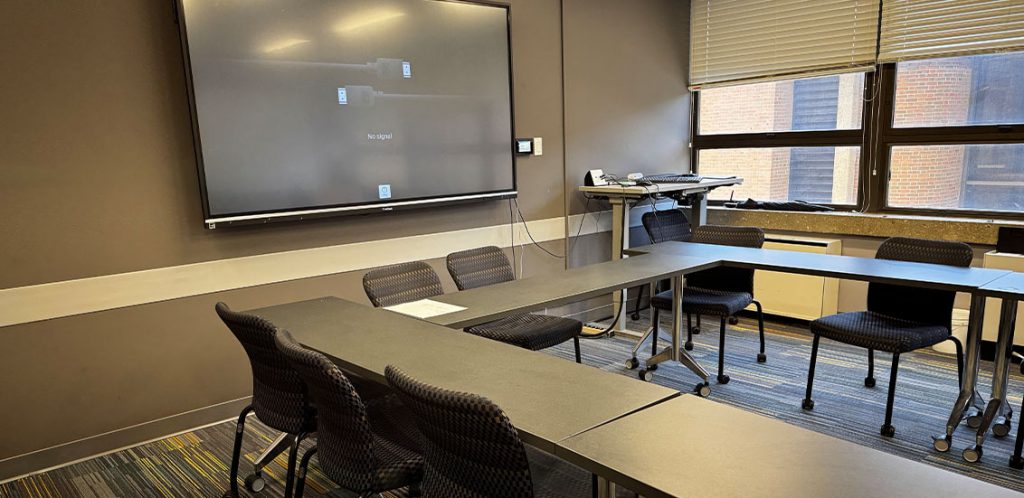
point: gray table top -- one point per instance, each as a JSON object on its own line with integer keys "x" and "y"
{"x": 689, "y": 446}
{"x": 1009, "y": 287}
{"x": 641, "y": 191}
{"x": 828, "y": 265}
{"x": 548, "y": 399}
{"x": 485, "y": 304}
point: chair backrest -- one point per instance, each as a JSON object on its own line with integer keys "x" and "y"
{"x": 470, "y": 448}
{"x": 934, "y": 307}
{"x": 726, "y": 279}
{"x": 344, "y": 438}
{"x": 666, "y": 225}
{"x": 401, "y": 283}
{"x": 479, "y": 267}
{"x": 278, "y": 394}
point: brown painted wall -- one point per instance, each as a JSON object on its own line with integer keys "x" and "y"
{"x": 98, "y": 177}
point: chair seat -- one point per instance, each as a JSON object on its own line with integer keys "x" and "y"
{"x": 876, "y": 331}
{"x": 705, "y": 301}
{"x": 396, "y": 444}
{"x": 533, "y": 332}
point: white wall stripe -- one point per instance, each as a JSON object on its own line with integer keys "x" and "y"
{"x": 34, "y": 303}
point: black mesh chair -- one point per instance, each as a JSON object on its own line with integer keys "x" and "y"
{"x": 401, "y": 283}
{"x": 279, "y": 399}
{"x": 365, "y": 449}
{"x": 487, "y": 266}
{"x": 663, "y": 226}
{"x": 720, "y": 292}
{"x": 470, "y": 448}
{"x": 899, "y": 319}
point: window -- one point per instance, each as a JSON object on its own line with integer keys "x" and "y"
{"x": 954, "y": 137}
{"x": 790, "y": 140}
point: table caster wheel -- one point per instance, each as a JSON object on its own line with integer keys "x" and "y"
{"x": 634, "y": 316}
{"x": 942, "y": 443}
{"x": 807, "y": 404}
{"x": 974, "y": 421}
{"x": 888, "y": 431}
{"x": 652, "y": 368}
{"x": 695, "y": 330}
{"x": 733, "y": 320}
{"x": 1001, "y": 430}
{"x": 255, "y": 482}
{"x": 688, "y": 346}
{"x": 761, "y": 357}
{"x": 703, "y": 390}
{"x": 632, "y": 363}
{"x": 972, "y": 454}
{"x": 646, "y": 375}
{"x": 869, "y": 382}
{"x": 723, "y": 379}
{"x": 1017, "y": 462}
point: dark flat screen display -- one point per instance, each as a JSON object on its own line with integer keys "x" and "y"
{"x": 327, "y": 104}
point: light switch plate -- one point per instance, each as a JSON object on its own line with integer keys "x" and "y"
{"x": 538, "y": 146}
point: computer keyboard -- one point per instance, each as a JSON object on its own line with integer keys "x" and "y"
{"x": 672, "y": 178}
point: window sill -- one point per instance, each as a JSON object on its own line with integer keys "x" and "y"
{"x": 970, "y": 230}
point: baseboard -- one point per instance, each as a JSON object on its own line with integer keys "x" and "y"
{"x": 89, "y": 447}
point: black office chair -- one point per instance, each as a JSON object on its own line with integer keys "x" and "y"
{"x": 470, "y": 448}
{"x": 365, "y": 449}
{"x": 663, "y": 226}
{"x": 401, "y": 283}
{"x": 1016, "y": 461}
{"x": 488, "y": 265}
{"x": 720, "y": 292}
{"x": 279, "y": 399}
{"x": 899, "y": 319}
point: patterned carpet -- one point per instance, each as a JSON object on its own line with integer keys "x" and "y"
{"x": 194, "y": 464}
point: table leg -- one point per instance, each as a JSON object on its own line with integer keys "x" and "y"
{"x": 620, "y": 242}
{"x": 997, "y": 412}
{"x": 969, "y": 401}
{"x": 675, "y": 351}
{"x": 605, "y": 488}
{"x": 698, "y": 209}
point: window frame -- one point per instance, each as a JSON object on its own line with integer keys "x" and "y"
{"x": 876, "y": 138}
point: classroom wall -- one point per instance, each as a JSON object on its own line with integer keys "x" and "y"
{"x": 99, "y": 180}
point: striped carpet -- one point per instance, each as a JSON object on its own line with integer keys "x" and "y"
{"x": 194, "y": 464}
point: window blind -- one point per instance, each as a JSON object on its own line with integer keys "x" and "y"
{"x": 917, "y": 29}
{"x": 749, "y": 40}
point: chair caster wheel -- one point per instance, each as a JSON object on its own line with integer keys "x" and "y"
{"x": 255, "y": 483}
{"x": 974, "y": 421}
{"x": 632, "y": 363}
{"x": 942, "y": 443}
{"x": 972, "y": 454}
{"x": 733, "y": 320}
{"x": 634, "y": 316}
{"x": 688, "y": 346}
{"x": 888, "y": 431}
{"x": 761, "y": 357}
{"x": 869, "y": 382}
{"x": 703, "y": 390}
{"x": 646, "y": 375}
{"x": 695, "y": 330}
{"x": 1001, "y": 430}
{"x": 1017, "y": 462}
{"x": 807, "y": 404}
{"x": 723, "y": 379}
{"x": 652, "y": 368}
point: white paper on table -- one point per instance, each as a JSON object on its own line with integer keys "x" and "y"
{"x": 424, "y": 308}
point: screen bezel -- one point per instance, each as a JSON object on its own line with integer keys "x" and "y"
{"x": 212, "y": 221}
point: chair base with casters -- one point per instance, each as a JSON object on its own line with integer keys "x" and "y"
{"x": 877, "y": 332}
{"x": 255, "y": 482}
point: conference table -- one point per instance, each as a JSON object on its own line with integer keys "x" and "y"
{"x": 978, "y": 282}
{"x": 546, "y": 398}
{"x": 640, "y": 435}
{"x": 556, "y": 288}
